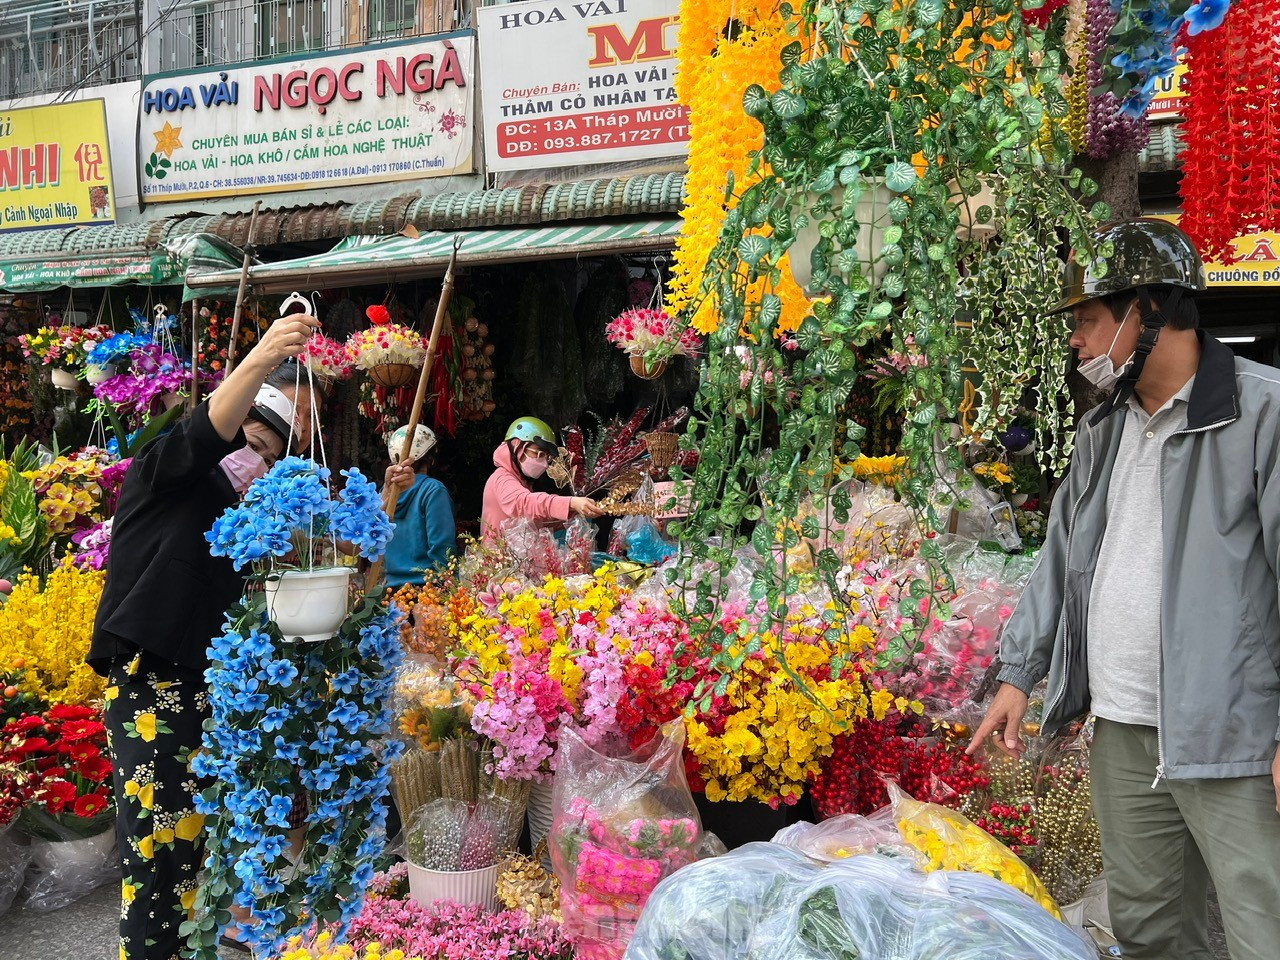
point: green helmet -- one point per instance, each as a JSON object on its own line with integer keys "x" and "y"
{"x": 532, "y": 430}
{"x": 1146, "y": 252}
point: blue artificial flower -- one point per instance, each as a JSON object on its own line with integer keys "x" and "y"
{"x": 346, "y": 681}
{"x": 280, "y": 673}
{"x": 278, "y": 810}
{"x": 1206, "y": 15}
{"x": 275, "y": 718}
{"x": 269, "y": 848}
{"x": 322, "y": 776}
{"x": 345, "y": 715}
{"x": 287, "y": 751}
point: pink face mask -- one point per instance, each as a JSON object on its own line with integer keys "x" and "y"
{"x": 242, "y": 468}
{"x": 533, "y": 468}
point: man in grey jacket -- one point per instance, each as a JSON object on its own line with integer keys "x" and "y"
{"x": 1154, "y": 605}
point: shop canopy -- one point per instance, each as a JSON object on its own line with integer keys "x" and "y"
{"x": 105, "y": 257}
{"x": 366, "y": 260}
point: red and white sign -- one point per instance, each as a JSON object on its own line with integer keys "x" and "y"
{"x": 568, "y": 83}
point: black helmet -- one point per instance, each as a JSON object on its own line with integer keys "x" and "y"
{"x": 1146, "y": 252}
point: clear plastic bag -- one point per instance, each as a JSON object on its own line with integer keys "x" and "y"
{"x": 64, "y": 870}
{"x": 951, "y": 841}
{"x": 849, "y": 835}
{"x": 450, "y": 835}
{"x": 15, "y": 854}
{"x": 766, "y": 902}
{"x": 622, "y": 823}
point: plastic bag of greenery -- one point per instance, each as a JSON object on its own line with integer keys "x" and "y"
{"x": 15, "y": 853}
{"x": 849, "y": 835}
{"x": 764, "y": 902}
{"x": 729, "y": 908}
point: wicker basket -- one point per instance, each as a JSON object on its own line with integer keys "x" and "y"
{"x": 393, "y": 375}
{"x": 663, "y": 448}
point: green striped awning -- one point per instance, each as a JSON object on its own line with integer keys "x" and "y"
{"x": 367, "y": 260}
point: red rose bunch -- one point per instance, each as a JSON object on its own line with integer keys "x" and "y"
{"x": 58, "y": 767}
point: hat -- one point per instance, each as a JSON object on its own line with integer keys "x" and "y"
{"x": 1146, "y": 252}
{"x": 535, "y": 431}
{"x": 277, "y": 411}
{"x": 424, "y": 441}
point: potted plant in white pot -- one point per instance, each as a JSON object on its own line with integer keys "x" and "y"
{"x": 287, "y": 528}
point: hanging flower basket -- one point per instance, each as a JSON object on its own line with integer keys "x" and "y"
{"x": 873, "y": 217}
{"x": 96, "y": 373}
{"x": 64, "y": 379}
{"x": 309, "y": 604}
{"x": 648, "y": 371}
{"x": 393, "y": 375}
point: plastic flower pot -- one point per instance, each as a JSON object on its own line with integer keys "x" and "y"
{"x": 393, "y": 375}
{"x": 872, "y": 212}
{"x": 984, "y": 196}
{"x": 648, "y": 371}
{"x": 98, "y": 372}
{"x": 1018, "y": 499}
{"x": 309, "y": 604}
{"x": 540, "y": 810}
{"x": 467, "y": 887}
{"x": 64, "y": 379}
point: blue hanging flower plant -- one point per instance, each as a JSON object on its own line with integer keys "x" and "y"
{"x": 290, "y": 716}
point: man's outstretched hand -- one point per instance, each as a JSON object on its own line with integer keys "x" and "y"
{"x": 1004, "y": 721}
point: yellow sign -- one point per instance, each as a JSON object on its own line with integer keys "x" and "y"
{"x": 55, "y": 166}
{"x": 1257, "y": 260}
{"x": 1170, "y": 94}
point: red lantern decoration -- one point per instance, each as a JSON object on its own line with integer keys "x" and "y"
{"x": 1231, "y": 166}
{"x": 378, "y": 315}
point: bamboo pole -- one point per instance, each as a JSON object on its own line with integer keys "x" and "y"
{"x": 194, "y": 400}
{"x": 419, "y": 398}
{"x": 244, "y": 282}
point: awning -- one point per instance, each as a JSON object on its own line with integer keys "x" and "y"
{"x": 205, "y": 253}
{"x": 37, "y": 260}
{"x": 365, "y": 260}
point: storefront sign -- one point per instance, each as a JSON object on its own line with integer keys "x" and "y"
{"x": 1170, "y": 94}
{"x": 91, "y": 271}
{"x": 395, "y": 112}
{"x": 55, "y": 166}
{"x": 1257, "y": 260}
{"x": 569, "y": 83}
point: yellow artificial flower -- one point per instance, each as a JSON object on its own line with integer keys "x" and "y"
{"x": 50, "y": 627}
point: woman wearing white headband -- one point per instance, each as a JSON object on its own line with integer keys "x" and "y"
{"x": 163, "y": 602}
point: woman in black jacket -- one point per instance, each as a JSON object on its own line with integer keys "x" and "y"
{"x": 163, "y": 601}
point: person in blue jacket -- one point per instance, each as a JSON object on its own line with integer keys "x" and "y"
{"x": 424, "y": 537}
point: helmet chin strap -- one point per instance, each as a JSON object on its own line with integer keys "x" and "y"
{"x": 1153, "y": 321}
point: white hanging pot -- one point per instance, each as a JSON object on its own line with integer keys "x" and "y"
{"x": 969, "y": 228}
{"x": 872, "y": 211}
{"x": 98, "y": 372}
{"x": 63, "y": 379}
{"x": 309, "y": 604}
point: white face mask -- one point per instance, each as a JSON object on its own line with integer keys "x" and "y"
{"x": 532, "y": 468}
{"x": 1101, "y": 371}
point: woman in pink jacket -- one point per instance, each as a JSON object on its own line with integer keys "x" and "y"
{"x": 521, "y": 459}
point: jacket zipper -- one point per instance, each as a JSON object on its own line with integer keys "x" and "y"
{"x": 1062, "y": 617}
{"x": 1160, "y": 659}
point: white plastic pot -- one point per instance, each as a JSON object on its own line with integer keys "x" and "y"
{"x": 468, "y": 887}
{"x": 309, "y": 604}
{"x": 98, "y": 372}
{"x": 873, "y": 217}
{"x": 63, "y": 379}
{"x": 985, "y": 196}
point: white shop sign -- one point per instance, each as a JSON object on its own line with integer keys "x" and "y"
{"x": 397, "y": 111}
{"x": 568, "y": 83}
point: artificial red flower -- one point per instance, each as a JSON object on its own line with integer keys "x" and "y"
{"x": 69, "y": 711}
{"x": 56, "y": 795}
{"x": 79, "y": 730}
{"x": 81, "y": 751}
{"x": 90, "y": 804}
{"x": 378, "y": 315}
{"x": 95, "y": 770}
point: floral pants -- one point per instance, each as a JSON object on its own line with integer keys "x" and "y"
{"x": 154, "y": 714}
